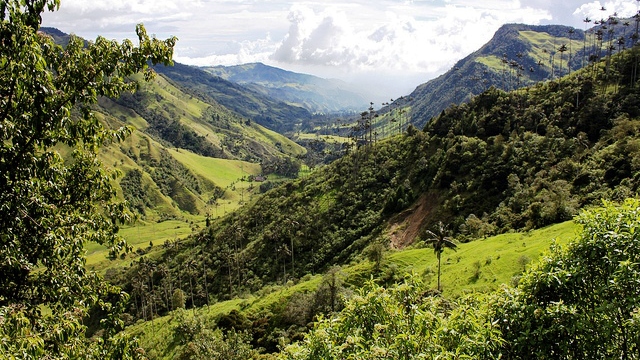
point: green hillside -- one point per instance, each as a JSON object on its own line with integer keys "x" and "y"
{"x": 167, "y": 119}
{"x": 504, "y": 162}
{"x": 187, "y": 159}
{"x": 502, "y": 259}
{"x": 269, "y": 112}
{"x": 517, "y": 56}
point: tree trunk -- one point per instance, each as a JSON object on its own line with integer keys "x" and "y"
{"x": 439, "y": 271}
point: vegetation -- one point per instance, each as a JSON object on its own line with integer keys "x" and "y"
{"x": 554, "y": 312}
{"x": 332, "y": 264}
{"x": 402, "y": 322}
{"x": 503, "y": 162}
{"x": 520, "y": 56}
{"x": 278, "y": 314}
{"x": 565, "y": 309}
{"x": 50, "y": 206}
{"x": 272, "y": 114}
{"x": 439, "y": 240}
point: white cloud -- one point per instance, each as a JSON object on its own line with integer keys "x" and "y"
{"x": 411, "y": 38}
{"x": 394, "y": 41}
{"x": 593, "y": 10}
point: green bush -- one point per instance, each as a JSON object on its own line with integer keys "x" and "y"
{"x": 580, "y": 302}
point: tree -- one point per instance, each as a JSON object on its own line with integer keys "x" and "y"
{"x": 401, "y": 322}
{"x": 561, "y": 50}
{"x": 584, "y": 40}
{"x": 51, "y": 206}
{"x": 439, "y": 240}
{"x": 563, "y": 309}
{"x": 571, "y": 32}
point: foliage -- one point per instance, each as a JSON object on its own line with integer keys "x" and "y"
{"x": 402, "y": 322}
{"x": 580, "y": 301}
{"x": 502, "y": 162}
{"x": 202, "y": 342}
{"x": 50, "y": 206}
{"x": 133, "y": 191}
{"x": 439, "y": 240}
{"x": 518, "y": 56}
{"x": 272, "y": 114}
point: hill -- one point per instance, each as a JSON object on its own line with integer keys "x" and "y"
{"x": 505, "y": 161}
{"x": 310, "y": 92}
{"x": 175, "y": 132}
{"x": 482, "y": 265}
{"x": 519, "y": 55}
{"x": 269, "y": 112}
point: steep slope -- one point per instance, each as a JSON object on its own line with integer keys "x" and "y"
{"x": 160, "y": 177}
{"x": 255, "y": 106}
{"x": 518, "y": 55}
{"x": 504, "y": 161}
{"x": 310, "y": 92}
{"x": 167, "y": 120}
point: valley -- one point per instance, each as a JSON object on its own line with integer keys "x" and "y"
{"x": 491, "y": 213}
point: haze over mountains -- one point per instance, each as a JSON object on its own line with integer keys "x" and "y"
{"x": 313, "y": 93}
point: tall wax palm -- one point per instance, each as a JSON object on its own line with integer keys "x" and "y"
{"x": 561, "y": 50}
{"x": 571, "y": 32}
{"x": 584, "y": 40}
{"x": 439, "y": 240}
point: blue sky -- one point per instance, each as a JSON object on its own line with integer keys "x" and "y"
{"x": 392, "y": 45}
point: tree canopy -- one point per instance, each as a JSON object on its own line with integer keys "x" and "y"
{"x": 54, "y": 193}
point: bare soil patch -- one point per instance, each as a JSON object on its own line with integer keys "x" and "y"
{"x": 405, "y": 227}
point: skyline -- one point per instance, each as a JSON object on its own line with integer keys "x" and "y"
{"x": 389, "y": 45}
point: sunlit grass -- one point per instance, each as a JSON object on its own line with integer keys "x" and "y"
{"x": 142, "y": 235}
{"x": 484, "y": 264}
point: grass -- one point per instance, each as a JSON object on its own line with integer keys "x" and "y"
{"x": 285, "y": 144}
{"x": 481, "y": 265}
{"x": 331, "y": 139}
{"x": 139, "y": 236}
{"x": 222, "y": 172}
{"x": 501, "y": 258}
{"x": 491, "y": 61}
{"x": 157, "y": 336}
{"x": 227, "y": 174}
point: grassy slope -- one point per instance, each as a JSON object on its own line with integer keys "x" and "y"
{"x": 507, "y": 253}
{"x": 224, "y": 173}
{"x": 500, "y": 258}
{"x": 139, "y": 235}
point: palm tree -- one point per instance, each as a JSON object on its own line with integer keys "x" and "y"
{"x": 561, "y": 50}
{"x": 439, "y": 240}
{"x": 571, "y": 32}
{"x": 584, "y": 40}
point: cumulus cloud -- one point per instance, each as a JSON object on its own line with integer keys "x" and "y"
{"x": 593, "y": 10}
{"x": 405, "y": 37}
{"x": 237, "y": 52}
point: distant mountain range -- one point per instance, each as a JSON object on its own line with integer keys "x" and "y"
{"x": 310, "y": 92}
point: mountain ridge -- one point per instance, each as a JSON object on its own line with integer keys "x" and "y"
{"x": 311, "y": 92}
{"x": 518, "y": 55}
